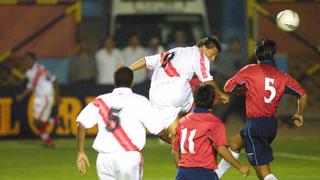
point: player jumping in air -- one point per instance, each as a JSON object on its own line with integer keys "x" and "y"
{"x": 199, "y": 136}
{"x": 264, "y": 85}
{"x": 170, "y": 92}
{"x": 122, "y": 117}
{"x": 45, "y": 89}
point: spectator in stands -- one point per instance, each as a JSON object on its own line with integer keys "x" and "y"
{"x": 133, "y": 52}
{"x": 108, "y": 60}
{"x": 155, "y": 46}
{"x": 180, "y": 40}
{"x": 83, "y": 69}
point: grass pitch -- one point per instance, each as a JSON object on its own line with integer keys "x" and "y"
{"x": 28, "y": 160}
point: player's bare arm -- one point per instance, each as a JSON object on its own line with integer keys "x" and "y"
{"x": 23, "y": 94}
{"x": 82, "y": 159}
{"x": 163, "y": 135}
{"x": 298, "y": 117}
{"x": 141, "y": 63}
{"x": 224, "y": 97}
{"x": 225, "y": 154}
{"x": 176, "y": 157}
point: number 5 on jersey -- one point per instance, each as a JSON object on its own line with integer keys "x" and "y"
{"x": 268, "y": 82}
{"x": 184, "y": 135}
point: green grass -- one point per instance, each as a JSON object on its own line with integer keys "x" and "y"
{"x": 28, "y": 160}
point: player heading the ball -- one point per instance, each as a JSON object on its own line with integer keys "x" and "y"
{"x": 170, "y": 92}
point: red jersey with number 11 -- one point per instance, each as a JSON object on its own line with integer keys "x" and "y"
{"x": 197, "y": 136}
{"x": 265, "y": 85}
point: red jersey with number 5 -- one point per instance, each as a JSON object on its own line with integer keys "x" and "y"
{"x": 265, "y": 85}
{"x": 197, "y": 136}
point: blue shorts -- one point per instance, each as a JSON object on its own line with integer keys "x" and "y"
{"x": 196, "y": 173}
{"x": 258, "y": 135}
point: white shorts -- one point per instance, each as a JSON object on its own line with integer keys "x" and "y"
{"x": 42, "y": 107}
{"x": 120, "y": 166}
{"x": 171, "y": 98}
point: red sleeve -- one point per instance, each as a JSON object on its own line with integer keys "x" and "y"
{"x": 237, "y": 80}
{"x": 218, "y": 135}
{"x": 293, "y": 87}
{"x": 176, "y": 141}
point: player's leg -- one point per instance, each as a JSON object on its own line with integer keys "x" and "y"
{"x": 41, "y": 112}
{"x": 264, "y": 172}
{"x": 129, "y": 165}
{"x": 260, "y": 134}
{"x": 105, "y": 168}
{"x": 236, "y": 144}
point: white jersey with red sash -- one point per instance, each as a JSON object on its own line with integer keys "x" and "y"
{"x": 170, "y": 91}
{"x": 134, "y": 114}
{"x": 41, "y": 82}
{"x": 122, "y": 117}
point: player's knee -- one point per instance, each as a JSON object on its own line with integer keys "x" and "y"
{"x": 270, "y": 177}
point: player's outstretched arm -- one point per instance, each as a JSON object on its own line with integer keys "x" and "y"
{"x": 298, "y": 117}
{"x": 138, "y": 65}
{"x": 223, "y": 96}
{"x": 82, "y": 159}
{"x": 164, "y": 136}
{"x": 226, "y": 155}
{"x": 176, "y": 157}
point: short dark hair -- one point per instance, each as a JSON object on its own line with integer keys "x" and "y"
{"x": 204, "y": 96}
{"x": 265, "y": 49}
{"x": 123, "y": 77}
{"x": 31, "y": 55}
{"x": 210, "y": 42}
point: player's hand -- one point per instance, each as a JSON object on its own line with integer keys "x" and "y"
{"x": 224, "y": 98}
{"x": 82, "y": 162}
{"x": 245, "y": 170}
{"x": 298, "y": 120}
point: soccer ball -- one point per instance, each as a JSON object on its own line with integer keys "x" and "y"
{"x": 288, "y": 20}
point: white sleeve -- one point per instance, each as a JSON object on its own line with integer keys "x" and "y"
{"x": 152, "y": 61}
{"x": 151, "y": 120}
{"x": 30, "y": 80}
{"x": 89, "y": 116}
{"x": 201, "y": 66}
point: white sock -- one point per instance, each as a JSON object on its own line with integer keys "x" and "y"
{"x": 270, "y": 177}
{"x": 224, "y": 165}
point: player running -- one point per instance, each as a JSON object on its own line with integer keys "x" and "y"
{"x": 122, "y": 117}
{"x": 170, "y": 92}
{"x": 264, "y": 85}
{"x": 45, "y": 89}
{"x": 199, "y": 135}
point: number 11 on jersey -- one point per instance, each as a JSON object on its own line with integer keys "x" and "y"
{"x": 184, "y": 133}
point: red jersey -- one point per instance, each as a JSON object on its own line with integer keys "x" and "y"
{"x": 265, "y": 85}
{"x": 197, "y": 136}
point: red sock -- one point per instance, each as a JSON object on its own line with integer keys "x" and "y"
{"x": 43, "y": 134}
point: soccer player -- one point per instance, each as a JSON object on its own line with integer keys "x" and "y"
{"x": 45, "y": 89}
{"x": 264, "y": 85}
{"x": 122, "y": 117}
{"x": 199, "y": 135}
{"x": 170, "y": 92}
